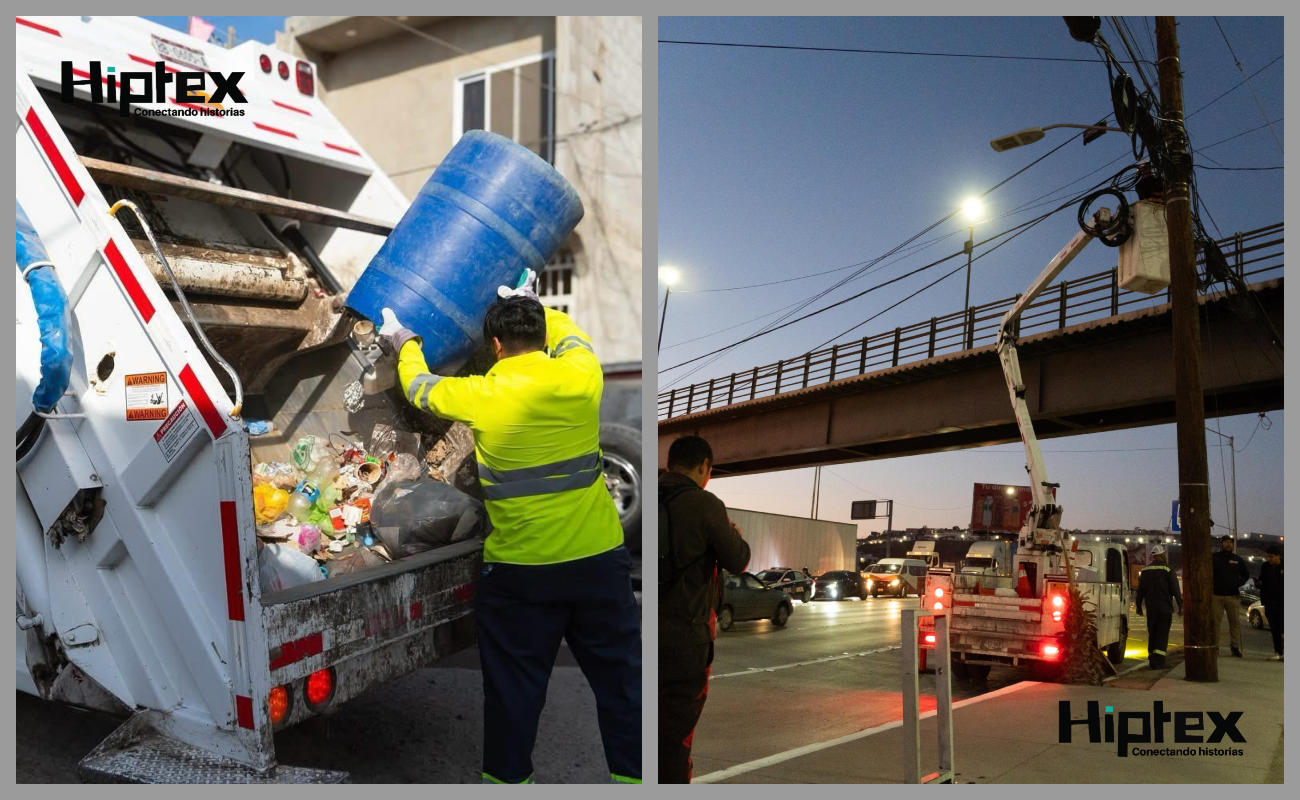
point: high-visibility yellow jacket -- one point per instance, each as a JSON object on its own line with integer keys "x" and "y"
{"x": 536, "y": 424}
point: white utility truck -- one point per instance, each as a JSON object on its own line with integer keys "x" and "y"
{"x": 137, "y": 555}
{"x": 1018, "y": 619}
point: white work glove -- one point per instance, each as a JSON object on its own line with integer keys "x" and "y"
{"x": 393, "y": 331}
{"x": 527, "y": 287}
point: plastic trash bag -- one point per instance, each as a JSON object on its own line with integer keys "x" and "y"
{"x": 269, "y": 502}
{"x": 278, "y": 474}
{"x": 414, "y": 516}
{"x": 355, "y": 561}
{"x": 308, "y": 452}
{"x": 284, "y": 567}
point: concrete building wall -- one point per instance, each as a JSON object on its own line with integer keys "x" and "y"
{"x": 396, "y": 94}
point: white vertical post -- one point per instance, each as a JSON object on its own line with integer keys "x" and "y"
{"x": 911, "y": 700}
{"x": 943, "y": 696}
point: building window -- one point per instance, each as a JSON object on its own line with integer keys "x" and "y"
{"x": 555, "y": 284}
{"x": 515, "y": 99}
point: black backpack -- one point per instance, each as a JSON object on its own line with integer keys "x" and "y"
{"x": 669, "y": 573}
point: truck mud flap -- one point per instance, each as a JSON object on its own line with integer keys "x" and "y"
{"x": 372, "y": 626}
{"x": 137, "y": 753}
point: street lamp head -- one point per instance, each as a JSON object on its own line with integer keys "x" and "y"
{"x": 669, "y": 275}
{"x": 973, "y": 209}
{"x": 1017, "y": 139}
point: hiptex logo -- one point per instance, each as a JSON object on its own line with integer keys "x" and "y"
{"x": 150, "y": 87}
{"x": 1185, "y": 725}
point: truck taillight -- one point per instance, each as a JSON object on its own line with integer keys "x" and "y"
{"x": 264, "y": 61}
{"x": 938, "y": 606}
{"x": 938, "y": 592}
{"x": 283, "y": 69}
{"x": 277, "y": 704}
{"x": 320, "y": 688}
{"x": 306, "y": 79}
{"x": 929, "y": 638}
{"x": 1051, "y": 650}
{"x": 1058, "y": 601}
{"x": 1056, "y": 616}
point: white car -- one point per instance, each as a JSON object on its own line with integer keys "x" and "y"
{"x": 1258, "y": 619}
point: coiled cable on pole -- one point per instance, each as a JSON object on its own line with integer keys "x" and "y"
{"x": 1119, "y": 230}
{"x": 185, "y": 305}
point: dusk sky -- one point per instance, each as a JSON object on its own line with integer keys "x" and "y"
{"x": 777, "y": 164}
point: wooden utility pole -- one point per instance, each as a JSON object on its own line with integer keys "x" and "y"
{"x": 1202, "y": 653}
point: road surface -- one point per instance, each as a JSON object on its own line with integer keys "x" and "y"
{"x": 426, "y": 727}
{"x": 834, "y": 669}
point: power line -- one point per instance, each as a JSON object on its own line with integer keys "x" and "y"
{"x": 1240, "y": 169}
{"x": 1237, "y": 61}
{"x": 1233, "y": 89}
{"x": 1243, "y": 133}
{"x": 881, "y": 497}
{"x": 949, "y": 216}
{"x": 876, "y": 52}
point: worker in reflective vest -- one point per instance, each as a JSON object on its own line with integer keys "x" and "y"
{"x": 1158, "y": 589}
{"x": 554, "y": 564}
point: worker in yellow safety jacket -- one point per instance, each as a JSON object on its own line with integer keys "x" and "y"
{"x": 554, "y": 563}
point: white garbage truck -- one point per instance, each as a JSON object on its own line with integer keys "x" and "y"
{"x": 1018, "y": 618}
{"x": 202, "y": 261}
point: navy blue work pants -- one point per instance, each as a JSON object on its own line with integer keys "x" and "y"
{"x": 522, "y": 613}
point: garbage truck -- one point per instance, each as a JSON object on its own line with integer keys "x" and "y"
{"x": 183, "y": 270}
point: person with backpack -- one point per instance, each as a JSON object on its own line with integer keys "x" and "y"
{"x": 696, "y": 538}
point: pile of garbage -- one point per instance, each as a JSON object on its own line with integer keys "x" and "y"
{"x": 340, "y": 506}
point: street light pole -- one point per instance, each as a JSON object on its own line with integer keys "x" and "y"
{"x": 663, "y": 317}
{"x": 970, "y": 248}
{"x": 1202, "y": 658}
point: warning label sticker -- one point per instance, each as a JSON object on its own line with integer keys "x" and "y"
{"x": 146, "y": 396}
{"x": 173, "y": 434}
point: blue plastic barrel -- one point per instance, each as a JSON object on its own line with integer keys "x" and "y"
{"x": 490, "y": 210}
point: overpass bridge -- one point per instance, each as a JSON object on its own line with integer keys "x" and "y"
{"x": 1094, "y": 358}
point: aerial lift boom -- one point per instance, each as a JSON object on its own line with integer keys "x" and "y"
{"x": 1042, "y": 530}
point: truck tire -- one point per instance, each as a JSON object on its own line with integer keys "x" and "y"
{"x": 781, "y": 616}
{"x": 622, "y": 464}
{"x": 959, "y": 670}
{"x": 1115, "y": 652}
{"x": 726, "y": 618}
{"x": 978, "y": 672}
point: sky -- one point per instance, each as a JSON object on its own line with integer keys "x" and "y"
{"x": 260, "y": 29}
{"x": 776, "y": 164}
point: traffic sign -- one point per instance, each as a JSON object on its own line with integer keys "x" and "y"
{"x": 1175, "y": 521}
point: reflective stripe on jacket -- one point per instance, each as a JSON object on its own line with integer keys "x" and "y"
{"x": 536, "y": 423}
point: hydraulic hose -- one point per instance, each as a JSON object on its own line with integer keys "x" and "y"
{"x": 185, "y": 305}
{"x": 298, "y": 242}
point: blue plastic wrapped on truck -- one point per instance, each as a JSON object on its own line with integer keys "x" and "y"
{"x": 491, "y": 210}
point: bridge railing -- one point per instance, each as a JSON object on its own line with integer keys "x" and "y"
{"x": 1255, "y": 255}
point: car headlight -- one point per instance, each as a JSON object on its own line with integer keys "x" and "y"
{"x": 868, "y": 583}
{"x": 894, "y": 582}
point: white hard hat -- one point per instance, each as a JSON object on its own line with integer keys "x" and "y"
{"x": 1158, "y": 550}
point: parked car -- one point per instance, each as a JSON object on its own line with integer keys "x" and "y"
{"x": 1258, "y": 619}
{"x": 896, "y": 576}
{"x": 791, "y": 581}
{"x": 841, "y": 585}
{"x": 1248, "y": 596}
{"x": 745, "y": 597}
{"x": 620, "y": 443}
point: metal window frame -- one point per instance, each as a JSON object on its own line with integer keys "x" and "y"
{"x": 485, "y": 74}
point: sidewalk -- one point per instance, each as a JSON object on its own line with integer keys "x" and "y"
{"x": 1011, "y": 736}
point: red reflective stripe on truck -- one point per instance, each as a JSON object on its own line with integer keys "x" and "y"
{"x": 202, "y": 402}
{"x": 244, "y": 711}
{"x": 464, "y": 592}
{"x": 963, "y": 602}
{"x": 83, "y": 74}
{"x": 290, "y": 134}
{"x": 343, "y": 149}
{"x": 297, "y": 650}
{"x": 417, "y": 610}
{"x": 129, "y": 282}
{"x": 40, "y": 28}
{"x": 151, "y": 63}
{"x": 55, "y": 157}
{"x": 292, "y": 108}
{"x": 230, "y": 553}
